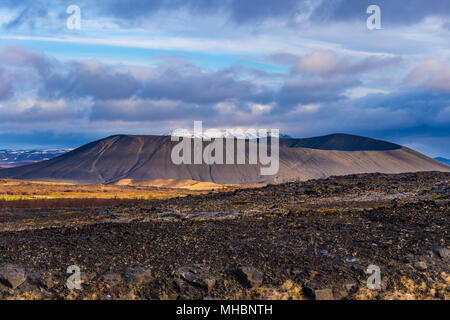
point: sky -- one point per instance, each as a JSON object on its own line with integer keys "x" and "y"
{"x": 305, "y": 67}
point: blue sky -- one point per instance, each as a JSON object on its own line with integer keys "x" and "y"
{"x": 147, "y": 67}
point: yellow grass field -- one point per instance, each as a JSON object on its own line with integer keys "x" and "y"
{"x": 13, "y": 190}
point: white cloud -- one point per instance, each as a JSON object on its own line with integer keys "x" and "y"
{"x": 328, "y": 63}
{"x": 430, "y": 74}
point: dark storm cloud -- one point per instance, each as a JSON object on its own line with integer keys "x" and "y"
{"x": 70, "y": 80}
{"x": 181, "y": 81}
{"x": 90, "y": 80}
{"x": 176, "y": 90}
{"x": 420, "y": 119}
{"x": 396, "y": 114}
{"x": 198, "y": 87}
{"x": 103, "y": 82}
{"x": 423, "y": 106}
{"x": 180, "y": 91}
{"x": 144, "y": 110}
{"x": 309, "y": 91}
{"x": 180, "y": 88}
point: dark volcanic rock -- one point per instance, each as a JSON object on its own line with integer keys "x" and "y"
{"x": 329, "y": 238}
{"x": 42, "y": 279}
{"x": 197, "y": 275}
{"x": 420, "y": 265}
{"x": 250, "y": 276}
{"x": 443, "y": 253}
{"x": 12, "y": 275}
{"x": 137, "y": 274}
{"x": 318, "y": 292}
{"x": 115, "y": 278}
{"x": 323, "y": 294}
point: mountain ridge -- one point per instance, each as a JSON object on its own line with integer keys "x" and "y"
{"x": 140, "y": 157}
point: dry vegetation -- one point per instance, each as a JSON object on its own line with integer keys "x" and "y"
{"x": 38, "y": 194}
{"x": 62, "y": 203}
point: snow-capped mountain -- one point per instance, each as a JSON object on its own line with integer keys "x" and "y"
{"x": 227, "y": 134}
{"x": 13, "y": 158}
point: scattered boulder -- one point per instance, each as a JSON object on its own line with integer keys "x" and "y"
{"x": 250, "y": 276}
{"x": 137, "y": 274}
{"x": 42, "y": 279}
{"x": 344, "y": 291}
{"x": 351, "y": 286}
{"x": 11, "y": 275}
{"x": 323, "y": 294}
{"x": 443, "y": 253}
{"x": 30, "y": 289}
{"x": 420, "y": 265}
{"x": 317, "y": 292}
{"x": 87, "y": 277}
{"x": 49, "y": 281}
{"x": 111, "y": 278}
{"x": 197, "y": 275}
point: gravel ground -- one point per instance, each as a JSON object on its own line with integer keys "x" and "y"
{"x": 299, "y": 240}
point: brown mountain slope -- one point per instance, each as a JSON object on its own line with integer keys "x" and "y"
{"x": 149, "y": 157}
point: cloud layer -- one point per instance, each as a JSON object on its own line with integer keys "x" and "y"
{"x": 306, "y": 67}
{"x": 311, "y": 99}
{"x": 134, "y": 13}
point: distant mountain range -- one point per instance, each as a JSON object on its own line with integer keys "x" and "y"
{"x": 13, "y": 158}
{"x": 142, "y": 158}
{"x": 443, "y": 160}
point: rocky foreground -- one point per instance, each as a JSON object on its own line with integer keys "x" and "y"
{"x": 299, "y": 240}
